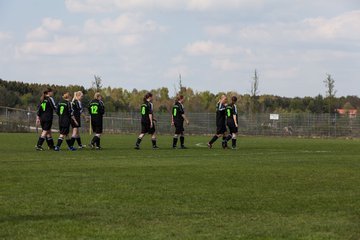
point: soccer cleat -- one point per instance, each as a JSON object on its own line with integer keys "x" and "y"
{"x": 39, "y": 148}
{"x": 155, "y": 147}
{"x": 174, "y": 147}
{"x": 137, "y": 147}
{"x": 72, "y": 149}
{"x": 233, "y": 147}
{"x": 183, "y": 147}
{"x": 56, "y": 148}
{"x": 224, "y": 145}
{"x": 98, "y": 148}
{"x": 209, "y": 145}
{"x": 91, "y": 145}
{"x": 81, "y": 146}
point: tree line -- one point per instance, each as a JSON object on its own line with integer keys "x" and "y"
{"x": 26, "y": 96}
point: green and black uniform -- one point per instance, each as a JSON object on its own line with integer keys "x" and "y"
{"x": 177, "y": 112}
{"x": 96, "y": 109}
{"x": 45, "y": 112}
{"x": 146, "y": 109}
{"x": 77, "y": 110}
{"x": 65, "y": 113}
{"x": 231, "y": 111}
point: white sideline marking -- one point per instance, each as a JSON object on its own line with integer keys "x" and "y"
{"x": 201, "y": 145}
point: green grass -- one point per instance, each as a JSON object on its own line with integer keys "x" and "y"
{"x": 270, "y": 188}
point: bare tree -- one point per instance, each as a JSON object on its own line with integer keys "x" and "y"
{"x": 254, "y": 92}
{"x": 330, "y": 90}
{"x": 97, "y": 83}
{"x": 255, "y": 85}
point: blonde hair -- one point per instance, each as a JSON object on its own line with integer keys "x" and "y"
{"x": 97, "y": 95}
{"x": 77, "y": 95}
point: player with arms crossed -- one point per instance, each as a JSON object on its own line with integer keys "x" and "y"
{"x": 220, "y": 122}
{"x": 232, "y": 122}
{"x": 147, "y": 121}
{"x": 44, "y": 117}
{"x": 97, "y": 110}
{"x": 177, "y": 120}
{"x": 65, "y": 114}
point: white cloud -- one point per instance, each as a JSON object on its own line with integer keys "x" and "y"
{"x": 5, "y": 36}
{"x": 193, "y": 5}
{"x": 201, "y": 48}
{"x": 225, "y": 64}
{"x": 59, "y": 46}
{"x": 48, "y": 25}
{"x": 344, "y": 26}
{"x": 126, "y": 23}
{"x": 219, "y": 30}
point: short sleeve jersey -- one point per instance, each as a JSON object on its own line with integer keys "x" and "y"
{"x": 77, "y": 108}
{"x": 220, "y": 114}
{"x": 145, "y": 110}
{"x": 46, "y": 109}
{"x": 96, "y": 109}
{"x": 178, "y": 111}
{"x": 65, "y": 113}
{"x": 231, "y": 110}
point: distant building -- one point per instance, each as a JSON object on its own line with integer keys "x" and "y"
{"x": 350, "y": 112}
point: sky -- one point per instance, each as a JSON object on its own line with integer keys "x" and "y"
{"x": 214, "y": 45}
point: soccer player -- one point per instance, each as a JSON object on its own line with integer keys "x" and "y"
{"x": 66, "y": 114}
{"x": 232, "y": 121}
{"x": 147, "y": 121}
{"x": 177, "y": 119}
{"x": 97, "y": 110}
{"x": 44, "y": 117}
{"x": 220, "y": 122}
{"x": 78, "y": 110}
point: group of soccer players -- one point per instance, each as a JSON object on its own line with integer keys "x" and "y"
{"x": 70, "y": 112}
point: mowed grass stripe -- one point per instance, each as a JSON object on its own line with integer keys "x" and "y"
{"x": 270, "y": 188}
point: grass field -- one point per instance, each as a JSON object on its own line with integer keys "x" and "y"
{"x": 270, "y": 188}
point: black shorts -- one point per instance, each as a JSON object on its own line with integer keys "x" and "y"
{"x": 64, "y": 130}
{"x": 46, "y": 125}
{"x": 220, "y": 129}
{"x": 145, "y": 128}
{"x": 73, "y": 125}
{"x": 179, "y": 127}
{"x": 232, "y": 127}
{"x": 97, "y": 126}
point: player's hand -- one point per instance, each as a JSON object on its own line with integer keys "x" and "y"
{"x": 187, "y": 122}
{"x": 172, "y": 124}
{"x": 37, "y": 121}
{"x": 151, "y": 125}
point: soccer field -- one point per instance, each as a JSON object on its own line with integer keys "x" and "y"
{"x": 270, "y": 188}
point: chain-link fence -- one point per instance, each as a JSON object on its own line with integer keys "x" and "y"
{"x": 286, "y": 124}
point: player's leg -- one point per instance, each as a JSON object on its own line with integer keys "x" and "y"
{"x": 233, "y": 145}
{"x": 153, "y": 137}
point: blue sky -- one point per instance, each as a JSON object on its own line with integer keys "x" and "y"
{"x": 215, "y": 45}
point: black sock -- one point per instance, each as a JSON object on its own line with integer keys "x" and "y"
{"x": 213, "y": 139}
{"x": 228, "y": 137}
{"x": 182, "y": 140}
{"x": 93, "y": 141}
{"x": 175, "y": 140}
{"x": 72, "y": 142}
{"x": 98, "y": 142}
{"x": 138, "y": 141}
{"x": 50, "y": 142}
{"x": 233, "y": 142}
{"x": 153, "y": 142}
{"x": 60, "y": 140}
{"x": 68, "y": 141}
{"x": 78, "y": 139}
{"x": 40, "y": 141}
